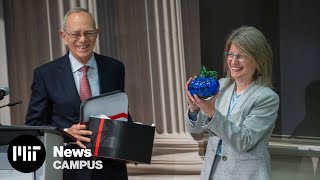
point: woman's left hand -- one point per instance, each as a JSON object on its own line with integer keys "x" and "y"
{"x": 207, "y": 106}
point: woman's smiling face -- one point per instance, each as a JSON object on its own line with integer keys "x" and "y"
{"x": 241, "y": 69}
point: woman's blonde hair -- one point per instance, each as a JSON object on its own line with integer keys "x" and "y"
{"x": 251, "y": 42}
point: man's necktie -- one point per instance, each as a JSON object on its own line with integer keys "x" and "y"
{"x": 85, "y": 90}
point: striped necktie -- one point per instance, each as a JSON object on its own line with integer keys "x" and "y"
{"x": 85, "y": 90}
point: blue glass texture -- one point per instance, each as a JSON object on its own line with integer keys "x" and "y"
{"x": 204, "y": 87}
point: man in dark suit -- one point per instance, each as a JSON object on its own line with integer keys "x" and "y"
{"x": 59, "y": 87}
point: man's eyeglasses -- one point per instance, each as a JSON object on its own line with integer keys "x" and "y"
{"x": 238, "y": 57}
{"x": 77, "y": 35}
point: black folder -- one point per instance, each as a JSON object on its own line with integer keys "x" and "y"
{"x": 121, "y": 140}
{"x": 116, "y": 138}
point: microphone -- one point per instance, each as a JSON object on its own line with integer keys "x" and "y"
{"x": 12, "y": 103}
{"x": 4, "y": 91}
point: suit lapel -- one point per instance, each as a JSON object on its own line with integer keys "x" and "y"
{"x": 226, "y": 102}
{"x": 244, "y": 97}
{"x": 67, "y": 78}
{"x": 104, "y": 74}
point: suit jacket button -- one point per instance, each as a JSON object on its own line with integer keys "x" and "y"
{"x": 224, "y": 158}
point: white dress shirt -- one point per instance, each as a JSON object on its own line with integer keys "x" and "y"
{"x": 92, "y": 74}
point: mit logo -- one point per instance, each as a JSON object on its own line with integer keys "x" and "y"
{"x": 28, "y": 153}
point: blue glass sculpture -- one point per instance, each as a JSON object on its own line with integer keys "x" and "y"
{"x": 206, "y": 85}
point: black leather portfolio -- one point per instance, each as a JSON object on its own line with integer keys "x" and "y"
{"x": 115, "y": 137}
{"x": 121, "y": 140}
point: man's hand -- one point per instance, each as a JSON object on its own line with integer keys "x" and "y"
{"x": 79, "y": 132}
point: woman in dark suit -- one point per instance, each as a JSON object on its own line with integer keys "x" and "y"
{"x": 241, "y": 118}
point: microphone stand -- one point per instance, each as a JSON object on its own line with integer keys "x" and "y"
{"x": 11, "y": 104}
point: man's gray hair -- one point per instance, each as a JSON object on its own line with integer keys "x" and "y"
{"x": 77, "y": 10}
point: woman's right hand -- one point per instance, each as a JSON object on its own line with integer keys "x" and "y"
{"x": 195, "y": 103}
{"x": 191, "y": 101}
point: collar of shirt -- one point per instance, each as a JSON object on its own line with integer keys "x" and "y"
{"x": 76, "y": 65}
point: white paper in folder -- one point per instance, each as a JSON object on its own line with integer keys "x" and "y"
{"x": 113, "y": 104}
